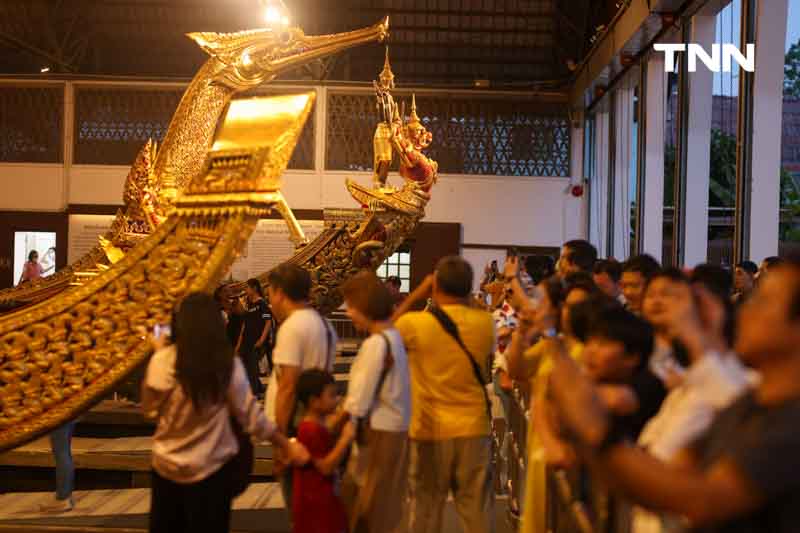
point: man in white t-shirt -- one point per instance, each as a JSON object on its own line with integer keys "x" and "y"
{"x": 305, "y": 340}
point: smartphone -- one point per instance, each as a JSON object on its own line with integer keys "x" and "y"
{"x": 162, "y": 330}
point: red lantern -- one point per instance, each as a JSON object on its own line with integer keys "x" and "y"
{"x": 577, "y": 191}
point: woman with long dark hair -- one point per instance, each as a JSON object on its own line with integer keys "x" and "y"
{"x": 193, "y": 388}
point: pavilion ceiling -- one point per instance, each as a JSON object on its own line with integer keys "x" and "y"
{"x": 509, "y": 43}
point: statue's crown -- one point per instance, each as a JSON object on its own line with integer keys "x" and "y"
{"x": 386, "y": 76}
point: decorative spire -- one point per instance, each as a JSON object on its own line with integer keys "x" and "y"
{"x": 414, "y": 118}
{"x": 387, "y": 76}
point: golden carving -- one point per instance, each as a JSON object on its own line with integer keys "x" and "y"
{"x": 406, "y": 140}
{"x": 59, "y": 357}
{"x": 356, "y": 239}
{"x": 239, "y": 61}
{"x": 353, "y": 239}
{"x": 382, "y": 140}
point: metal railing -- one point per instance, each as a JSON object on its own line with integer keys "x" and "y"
{"x": 575, "y": 504}
{"x": 344, "y": 327}
{"x": 514, "y": 452}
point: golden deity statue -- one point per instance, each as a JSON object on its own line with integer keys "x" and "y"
{"x": 382, "y": 140}
{"x": 406, "y": 139}
{"x": 408, "y": 142}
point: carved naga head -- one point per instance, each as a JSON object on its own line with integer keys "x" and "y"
{"x": 250, "y": 58}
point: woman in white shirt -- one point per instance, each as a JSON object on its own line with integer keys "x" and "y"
{"x": 193, "y": 388}
{"x": 378, "y": 395}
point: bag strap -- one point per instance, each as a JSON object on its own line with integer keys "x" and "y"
{"x": 451, "y": 329}
{"x": 388, "y": 363}
{"x": 328, "y": 341}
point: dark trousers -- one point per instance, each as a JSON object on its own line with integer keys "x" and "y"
{"x": 61, "y": 444}
{"x": 201, "y": 507}
{"x": 250, "y": 357}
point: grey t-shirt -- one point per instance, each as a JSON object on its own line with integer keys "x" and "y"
{"x": 764, "y": 443}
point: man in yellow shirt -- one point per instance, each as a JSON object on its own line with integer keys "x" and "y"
{"x": 450, "y": 426}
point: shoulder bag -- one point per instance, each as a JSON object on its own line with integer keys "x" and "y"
{"x": 363, "y": 425}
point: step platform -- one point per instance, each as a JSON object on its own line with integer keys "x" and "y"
{"x": 99, "y": 462}
{"x": 260, "y": 508}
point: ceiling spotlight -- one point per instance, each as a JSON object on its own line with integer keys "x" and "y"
{"x": 44, "y": 70}
{"x": 275, "y": 13}
{"x": 272, "y": 14}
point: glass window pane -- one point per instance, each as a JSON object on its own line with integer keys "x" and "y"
{"x": 405, "y": 258}
{"x": 405, "y": 286}
{"x": 724, "y": 132}
{"x": 381, "y": 271}
{"x": 633, "y": 190}
{"x": 405, "y": 271}
{"x": 393, "y": 270}
{"x": 790, "y": 141}
{"x": 670, "y": 165}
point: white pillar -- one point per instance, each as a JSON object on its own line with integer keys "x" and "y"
{"x": 623, "y": 122}
{"x": 574, "y": 210}
{"x": 598, "y": 206}
{"x": 767, "y": 120}
{"x": 652, "y": 223}
{"x": 698, "y": 149}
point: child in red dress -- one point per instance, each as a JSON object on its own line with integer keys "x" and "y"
{"x": 316, "y": 507}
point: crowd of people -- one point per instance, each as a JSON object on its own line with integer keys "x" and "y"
{"x": 678, "y": 389}
{"x": 412, "y": 428}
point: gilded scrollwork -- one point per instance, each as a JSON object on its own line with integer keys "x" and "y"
{"x": 59, "y": 357}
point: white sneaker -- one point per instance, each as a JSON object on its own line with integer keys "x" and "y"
{"x": 58, "y": 506}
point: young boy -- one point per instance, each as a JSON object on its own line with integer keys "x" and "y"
{"x": 316, "y": 507}
{"x": 616, "y": 357}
